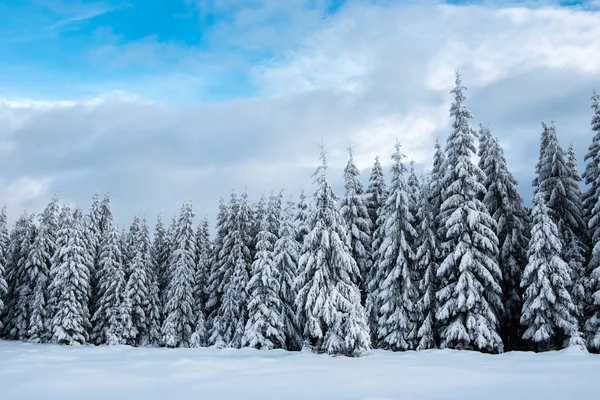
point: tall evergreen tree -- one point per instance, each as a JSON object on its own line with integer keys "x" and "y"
{"x": 393, "y": 292}
{"x": 264, "y": 328}
{"x": 112, "y": 318}
{"x": 38, "y": 267}
{"x": 203, "y": 249}
{"x": 4, "y": 243}
{"x": 328, "y": 301}
{"x": 591, "y": 175}
{"x": 179, "y": 323}
{"x": 230, "y": 322}
{"x": 214, "y": 270}
{"x": 469, "y": 295}
{"x": 285, "y": 258}
{"x": 19, "y": 294}
{"x": 548, "y": 312}
{"x": 427, "y": 254}
{"x": 358, "y": 222}
{"x": 506, "y": 207}
{"x": 139, "y": 284}
{"x": 70, "y": 280}
{"x": 160, "y": 251}
{"x": 376, "y": 194}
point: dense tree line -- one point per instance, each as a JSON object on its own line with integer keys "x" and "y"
{"x": 450, "y": 259}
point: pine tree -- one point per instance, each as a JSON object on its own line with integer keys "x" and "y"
{"x": 230, "y": 322}
{"x": 264, "y": 328}
{"x": 204, "y": 250}
{"x": 70, "y": 279}
{"x": 139, "y": 284}
{"x": 506, "y": 207}
{"x": 591, "y": 175}
{"x": 258, "y": 212}
{"x": 160, "y": 251}
{"x": 328, "y": 301}
{"x": 285, "y": 258}
{"x": 548, "y": 312}
{"x": 273, "y": 216}
{"x": 392, "y": 289}
{"x": 376, "y": 197}
{"x": 427, "y": 254}
{"x": 214, "y": 270}
{"x": 180, "y": 321}
{"x": 38, "y": 266}
{"x": 358, "y": 222}
{"x": 20, "y": 290}
{"x": 112, "y": 317}
{"x": 301, "y": 219}
{"x": 4, "y": 243}
{"x": 576, "y": 238}
{"x": 469, "y": 296}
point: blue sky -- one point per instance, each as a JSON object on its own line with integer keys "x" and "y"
{"x": 163, "y": 101}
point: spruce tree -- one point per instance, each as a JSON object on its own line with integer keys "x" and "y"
{"x": 358, "y": 223}
{"x": 230, "y": 322}
{"x": 160, "y": 252}
{"x": 393, "y": 291}
{"x": 426, "y": 256}
{"x": 469, "y": 296}
{"x": 376, "y": 196}
{"x": 548, "y": 315}
{"x": 38, "y": 267}
{"x": 70, "y": 280}
{"x": 591, "y": 175}
{"x": 285, "y": 258}
{"x": 4, "y": 243}
{"x": 506, "y": 207}
{"x": 139, "y": 284}
{"x": 328, "y": 301}
{"x": 214, "y": 272}
{"x": 264, "y": 329}
{"x": 20, "y": 291}
{"x": 112, "y": 317}
{"x": 180, "y": 320}
{"x": 203, "y": 249}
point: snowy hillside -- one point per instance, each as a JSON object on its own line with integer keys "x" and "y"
{"x": 34, "y": 371}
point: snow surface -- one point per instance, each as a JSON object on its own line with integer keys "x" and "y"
{"x": 34, "y": 371}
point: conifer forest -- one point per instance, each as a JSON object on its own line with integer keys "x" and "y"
{"x": 450, "y": 259}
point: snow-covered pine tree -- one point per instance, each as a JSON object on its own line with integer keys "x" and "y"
{"x": 258, "y": 213}
{"x": 354, "y": 210}
{"x": 328, "y": 301}
{"x": 112, "y": 317}
{"x": 376, "y": 196}
{"x": 413, "y": 186}
{"x": 506, "y": 207}
{"x": 548, "y": 315}
{"x": 38, "y": 266}
{"x": 469, "y": 297}
{"x": 161, "y": 253}
{"x": 70, "y": 280}
{"x": 180, "y": 320}
{"x": 214, "y": 272}
{"x": 426, "y": 256}
{"x": 139, "y": 284}
{"x": 301, "y": 218}
{"x": 264, "y": 328}
{"x": 4, "y": 243}
{"x": 576, "y": 240}
{"x": 591, "y": 175}
{"x": 230, "y": 322}
{"x": 204, "y": 250}
{"x": 18, "y": 278}
{"x": 285, "y": 258}
{"x": 393, "y": 293}
{"x": 273, "y": 215}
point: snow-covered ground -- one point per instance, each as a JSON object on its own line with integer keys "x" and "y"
{"x": 29, "y": 371}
